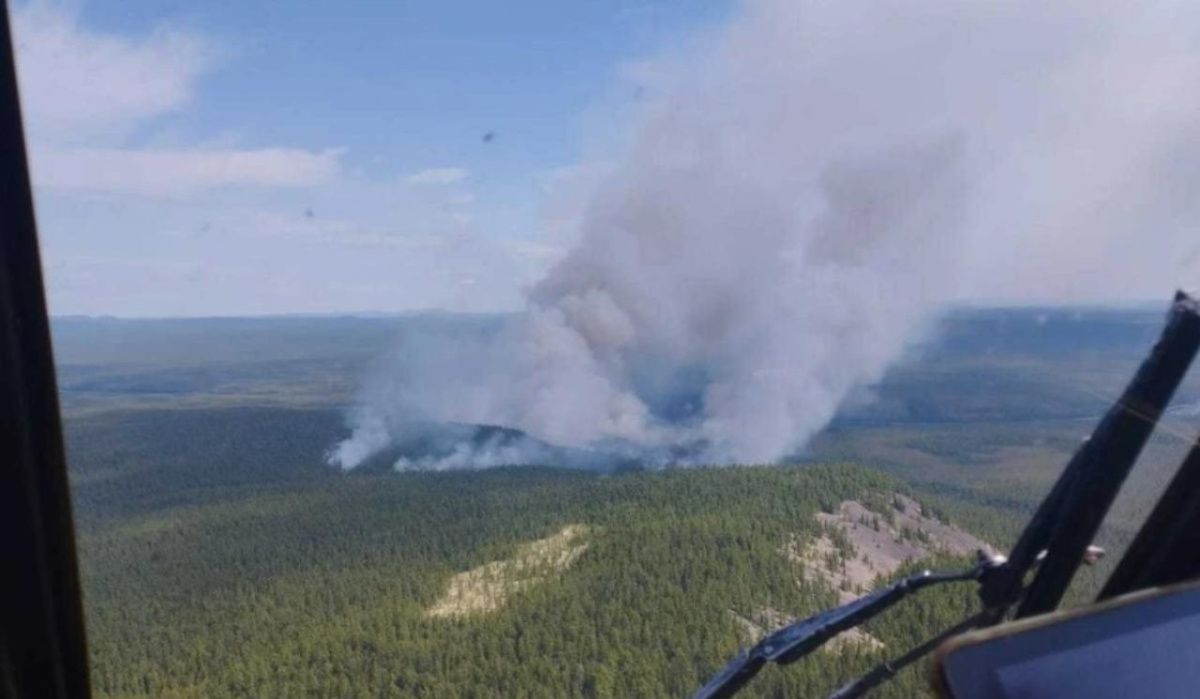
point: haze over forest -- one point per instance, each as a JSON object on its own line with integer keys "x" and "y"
{"x": 424, "y": 349}
{"x": 223, "y": 556}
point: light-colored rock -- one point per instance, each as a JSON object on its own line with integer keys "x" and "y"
{"x": 488, "y": 587}
{"x": 878, "y": 547}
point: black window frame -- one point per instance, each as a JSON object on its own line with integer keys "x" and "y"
{"x": 43, "y": 652}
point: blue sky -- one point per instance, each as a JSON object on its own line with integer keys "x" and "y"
{"x": 255, "y": 157}
{"x": 402, "y": 85}
{"x": 267, "y": 156}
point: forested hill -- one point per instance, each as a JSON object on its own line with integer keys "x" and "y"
{"x": 223, "y": 558}
{"x": 329, "y": 588}
{"x": 974, "y": 364}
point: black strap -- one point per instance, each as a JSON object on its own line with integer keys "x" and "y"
{"x": 797, "y": 640}
{"x": 1166, "y": 549}
{"x": 1110, "y": 454}
{"x": 885, "y": 671}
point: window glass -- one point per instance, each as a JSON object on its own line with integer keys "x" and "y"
{"x": 557, "y": 349}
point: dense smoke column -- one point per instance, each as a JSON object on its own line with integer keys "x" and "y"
{"x": 797, "y": 201}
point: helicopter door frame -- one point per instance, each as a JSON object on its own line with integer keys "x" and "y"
{"x": 43, "y": 652}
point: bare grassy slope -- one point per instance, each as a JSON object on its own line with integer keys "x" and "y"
{"x": 861, "y": 545}
{"x": 486, "y": 588}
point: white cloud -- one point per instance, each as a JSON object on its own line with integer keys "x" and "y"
{"x": 140, "y": 216}
{"x": 77, "y": 84}
{"x": 179, "y": 172}
{"x": 438, "y": 176}
{"x": 85, "y": 93}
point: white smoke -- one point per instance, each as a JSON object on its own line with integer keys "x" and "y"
{"x": 803, "y": 194}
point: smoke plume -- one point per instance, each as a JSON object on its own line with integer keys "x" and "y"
{"x": 804, "y": 192}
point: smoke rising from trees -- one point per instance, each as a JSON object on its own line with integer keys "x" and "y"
{"x": 802, "y": 196}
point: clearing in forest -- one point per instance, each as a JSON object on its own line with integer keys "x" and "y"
{"x": 860, "y": 545}
{"x": 488, "y": 587}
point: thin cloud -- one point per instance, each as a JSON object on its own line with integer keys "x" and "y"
{"x": 77, "y": 84}
{"x": 438, "y": 176}
{"x": 136, "y": 219}
{"x": 179, "y": 172}
{"x": 85, "y": 93}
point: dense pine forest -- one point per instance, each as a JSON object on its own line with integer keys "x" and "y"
{"x": 323, "y": 589}
{"x": 222, "y": 557}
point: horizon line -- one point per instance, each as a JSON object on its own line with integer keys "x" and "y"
{"x": 973, "y": 305}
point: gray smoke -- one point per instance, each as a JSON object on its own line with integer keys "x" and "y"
{"x": 804, "y": 193}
